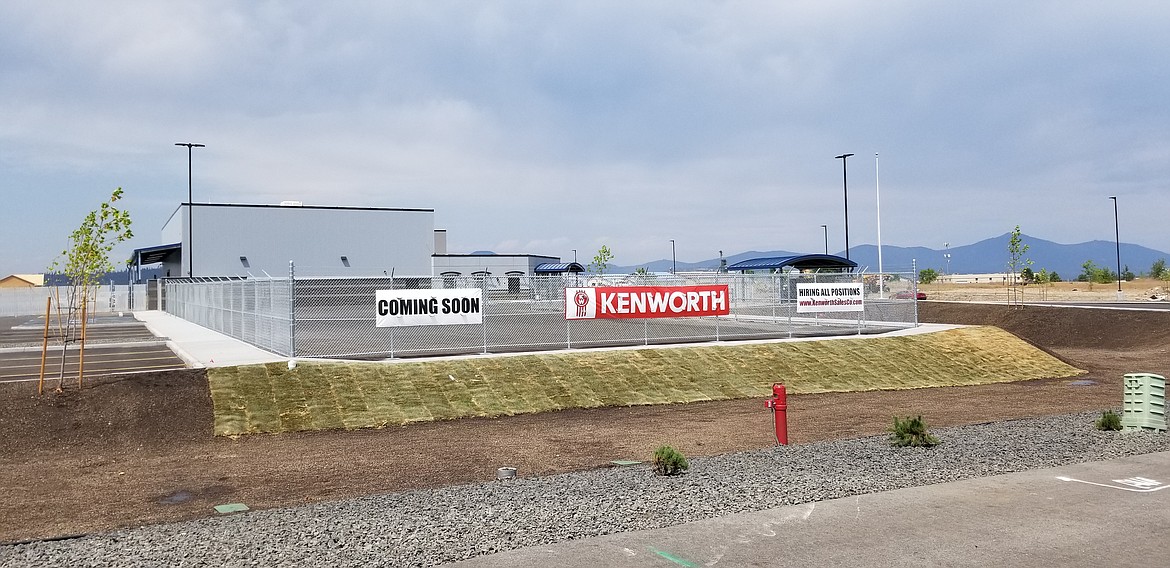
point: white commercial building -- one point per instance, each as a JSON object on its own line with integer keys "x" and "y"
{"x": 226, "y": 240}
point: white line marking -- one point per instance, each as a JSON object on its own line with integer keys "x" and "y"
{"x": 1131, "y": 481}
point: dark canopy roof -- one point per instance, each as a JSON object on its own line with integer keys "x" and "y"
{"x": 155, "y": 254}
{"x": 558, "y": 267}
{"x": 799, "y": 262}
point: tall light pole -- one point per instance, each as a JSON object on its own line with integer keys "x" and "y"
{"x": 673, "y": 262}
{"x": 1117, "y": 241}
{"x": 878, "y": 189}
{"x": 190, "y": 210}
{"x": 825, "y": 228}
{"x": 845, "y": 185}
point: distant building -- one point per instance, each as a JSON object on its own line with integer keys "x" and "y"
{"x": 800, "y": 262}
{"x": 491, "y": 264}
{"x": 22, "y": 281}
{"x": 989, "y": 278}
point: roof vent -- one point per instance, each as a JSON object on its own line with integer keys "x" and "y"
{"x": 291, "y": 204}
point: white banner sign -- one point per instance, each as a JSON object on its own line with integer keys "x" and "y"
{"x": 621, "y": 302}
{"x": 829, "y": 298}
{"x": 429, "y": 307}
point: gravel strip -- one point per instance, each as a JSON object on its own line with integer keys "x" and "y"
{"x": 426, "y": 528}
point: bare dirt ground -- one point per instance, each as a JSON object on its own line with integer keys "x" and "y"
{"x": 138, "y": 449}
{"x": 1139, "y": 290}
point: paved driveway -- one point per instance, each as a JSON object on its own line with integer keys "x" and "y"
{"x": 114, "y": 344}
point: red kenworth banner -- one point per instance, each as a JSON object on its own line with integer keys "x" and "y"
{"x": 646, "y": 302}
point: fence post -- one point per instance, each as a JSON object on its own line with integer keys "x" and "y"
{"x": 292, "y": 309}
{"x": 861, "y": 315}
{"x": 789, "y": 307}
{"x": 914, "y": 276}
{"x": 776, "y": 298}
{"x": 483, "y": 321}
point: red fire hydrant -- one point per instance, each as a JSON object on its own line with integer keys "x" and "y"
{"x": 779, "y": 405}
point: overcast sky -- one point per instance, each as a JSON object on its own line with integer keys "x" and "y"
{"x": 541, "y": 127}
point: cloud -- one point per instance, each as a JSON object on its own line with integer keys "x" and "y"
{"x": 534, "y": 125}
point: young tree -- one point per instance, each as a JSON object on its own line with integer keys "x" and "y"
{"x": 1016, "y": 262}
{"x": 1088, "y": 272}
{"x": 1127, "y": 274}
{"x": 1093, "y": 274}
{"x": 927, "y": 276}
{"x": 601, "y": 260}
{"x": 1044, "y": 279}
{"x": 1158, "y": 269}
{"x": 88, "y": 259}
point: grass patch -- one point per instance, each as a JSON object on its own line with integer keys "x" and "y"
{"x": 328, "y": 395}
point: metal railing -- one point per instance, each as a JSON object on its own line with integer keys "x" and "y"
{"x": 335, "y": 317}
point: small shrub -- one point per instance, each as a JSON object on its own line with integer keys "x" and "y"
{"x": 911, "y": 432}
{"x": 669, "y": 461}
{"x": 1109, "y": 420}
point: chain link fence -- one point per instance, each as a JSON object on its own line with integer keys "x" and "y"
{"x": 256, "y": 311}
{"x": 105, "y": 299}
{"x": 335, "y": 317}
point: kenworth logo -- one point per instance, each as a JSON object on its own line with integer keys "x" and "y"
{"x": 614, "y": 302}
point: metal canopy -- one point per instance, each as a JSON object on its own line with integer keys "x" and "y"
{"x": 798, "y": 262}
{"x": 155, "y": 254}
{"x": 558, "y": 267}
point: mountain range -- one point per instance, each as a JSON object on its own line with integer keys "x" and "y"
{"x": 986, "y": 256}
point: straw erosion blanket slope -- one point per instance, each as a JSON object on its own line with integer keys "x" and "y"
{"x": 140, "y": 449}
{"x": 317, "y": 396}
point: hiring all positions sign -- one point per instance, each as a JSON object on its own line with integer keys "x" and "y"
{"x": 829, "y": 298}
{"x": 613, "y": 302}
{"x": 429, "y": 307}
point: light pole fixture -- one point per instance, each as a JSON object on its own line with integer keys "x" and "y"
{"x": 825, "y": 228}
{"x": 845, "y": 186}
{"x": 673, "y": 261}
{"x": 877, "y": 184}
{"x": 190, "y": 209}
{"x": 1117, "y": 241}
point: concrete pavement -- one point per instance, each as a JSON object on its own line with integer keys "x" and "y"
{"x": 1103, "y": 513}
{"x": 202, "y": 347}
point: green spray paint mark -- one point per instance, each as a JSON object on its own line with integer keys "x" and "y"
{"x": 675, "y": 559}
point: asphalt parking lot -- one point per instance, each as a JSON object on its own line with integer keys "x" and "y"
{"x": 114, "y": 344}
